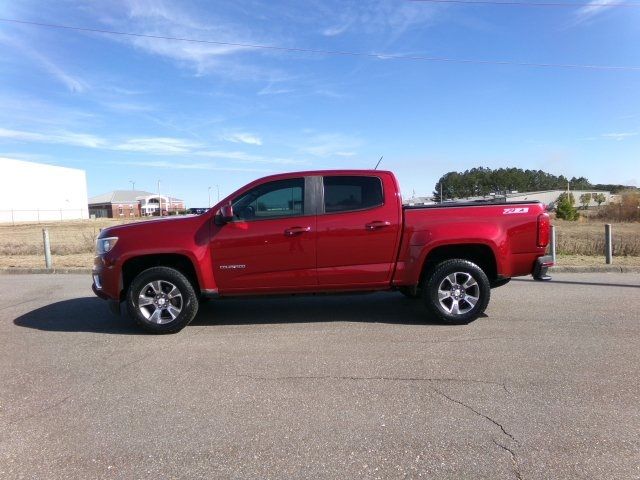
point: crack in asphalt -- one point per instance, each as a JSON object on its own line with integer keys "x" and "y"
{"x": 512, "y": 453}
{"x": 514, "y": 459}
{"x": 497, "y": 424}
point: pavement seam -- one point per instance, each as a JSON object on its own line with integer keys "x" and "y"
{"x": 383, "y": 378}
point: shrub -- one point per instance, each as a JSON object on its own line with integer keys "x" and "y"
{"x": 627, "y": 210}
{"x": 565, "y": 209}
{"x": 585, "y": 200}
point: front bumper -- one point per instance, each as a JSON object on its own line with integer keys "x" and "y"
{"x": 114, "y": 305}
{"x": 106, "y": 283}
{"x": 541, "y": 267}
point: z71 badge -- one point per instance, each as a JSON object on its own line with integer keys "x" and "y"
{"x": 510, "y": 211}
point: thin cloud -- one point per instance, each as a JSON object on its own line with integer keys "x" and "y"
{"x": 172, "y": 20}
{"x": 158, "y": 145}
{"x": 185, "y": 166}
{"x": 271, "y": 89}
{"x": 331, "y": 145}
{"x": 592, "y": 9}
{"x": 246, "y": 138}
{"x": 378, "y": 17}
{"x": 127, "y": 107}
{"x": 619, "y": 136}
{"x": 62, "y": 137}
{"x": 246, "y": 157}
{"x": 143, "y": 145}
{"x": 71, "y": 82}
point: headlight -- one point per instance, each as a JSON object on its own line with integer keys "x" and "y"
{"x": 103, "y": 245}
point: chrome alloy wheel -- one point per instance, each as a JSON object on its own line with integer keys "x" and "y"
{"x": 458, "y": 293}
{"x": 160, "y": 302}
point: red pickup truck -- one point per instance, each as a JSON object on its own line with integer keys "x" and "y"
{"x": 321, "y": 231}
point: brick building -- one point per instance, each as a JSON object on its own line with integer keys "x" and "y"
{"x": 133, "y": 203}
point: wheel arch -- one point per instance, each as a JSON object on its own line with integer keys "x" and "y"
{"x": 135, "y": 265}
{"x": 478, "y": 253}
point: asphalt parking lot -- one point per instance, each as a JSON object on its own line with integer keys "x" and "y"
{"x": 547, "y": 385}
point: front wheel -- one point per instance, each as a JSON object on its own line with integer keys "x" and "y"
{"x": 162, "y": 300}
{"x": 457, "y": 292}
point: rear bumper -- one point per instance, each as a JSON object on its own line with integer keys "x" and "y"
{"x": 541, "y": 267}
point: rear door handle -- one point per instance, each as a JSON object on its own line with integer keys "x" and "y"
{"x": 290, "y": 232}
{"x": 377, "y": 224}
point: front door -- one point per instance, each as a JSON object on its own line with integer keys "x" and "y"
{"x": 271, "y": 243}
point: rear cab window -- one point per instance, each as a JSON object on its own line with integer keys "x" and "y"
{"x": 344, "y": 193}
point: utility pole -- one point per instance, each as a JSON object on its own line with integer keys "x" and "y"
{"x": 159, "y": 201}
{"x": 440, "y": 192}
{"x": 218, "y": 190}
{"x": 209, "y": 192}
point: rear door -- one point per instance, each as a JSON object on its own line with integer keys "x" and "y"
{"x": 271, "y": 243}
{"x": 358, "y": 230}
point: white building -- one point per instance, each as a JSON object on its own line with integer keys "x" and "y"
{"x": 32, "y": 192}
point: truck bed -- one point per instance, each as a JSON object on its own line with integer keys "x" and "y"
{"x": 479, "y": 203}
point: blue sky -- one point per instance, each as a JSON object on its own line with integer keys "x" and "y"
{"x": 198, "y": 115}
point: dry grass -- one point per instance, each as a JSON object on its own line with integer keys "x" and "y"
{"x": 77, "y": 260}
{"x": 595, "y": 261}
{"x": 586, "y": 237}
{"x": 67, "y": 238}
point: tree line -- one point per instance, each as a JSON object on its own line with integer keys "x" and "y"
{"x": 481, "y": 181}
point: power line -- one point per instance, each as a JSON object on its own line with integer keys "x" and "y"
{"x": 533, "y": 4}
{"x": 343, "y": 53}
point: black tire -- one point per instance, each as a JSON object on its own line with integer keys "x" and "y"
{"x": 410, "y": 292}
{"x": 464, "y": 303}
{"x": 170, "y": 301}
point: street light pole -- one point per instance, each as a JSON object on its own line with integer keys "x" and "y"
{"x": 133, "y": 184}
{"x": 209, "y": 192}
{"x": 218, "y": 189}
{"x": 159, "y": 201}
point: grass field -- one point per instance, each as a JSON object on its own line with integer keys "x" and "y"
{"x": 586, "y": 237}
{"x": 72, "y": 243}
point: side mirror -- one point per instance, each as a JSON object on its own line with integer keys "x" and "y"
{"x": 226, "y": 212}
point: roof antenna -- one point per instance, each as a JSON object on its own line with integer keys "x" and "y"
{"x": 376, "y": 167}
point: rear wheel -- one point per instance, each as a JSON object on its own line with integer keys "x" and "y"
{"x": 457, "y": 292}
{"x": 162, "y": 300}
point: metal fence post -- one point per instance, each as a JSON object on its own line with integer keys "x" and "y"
{"x": 47, "y": 248}
{"x": 553, "y": 243}
{"x": 608, "y": 244}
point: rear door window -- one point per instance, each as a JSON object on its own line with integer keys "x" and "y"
{"x": 348, "y": 193}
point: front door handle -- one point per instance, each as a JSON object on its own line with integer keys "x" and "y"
{"x": 292, "y": 231}
{"x": 377, "y": 224}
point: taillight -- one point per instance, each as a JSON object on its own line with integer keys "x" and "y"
{"x": 543, "y": 230}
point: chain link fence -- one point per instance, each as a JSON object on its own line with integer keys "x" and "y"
{"x": 42, "y": 215}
